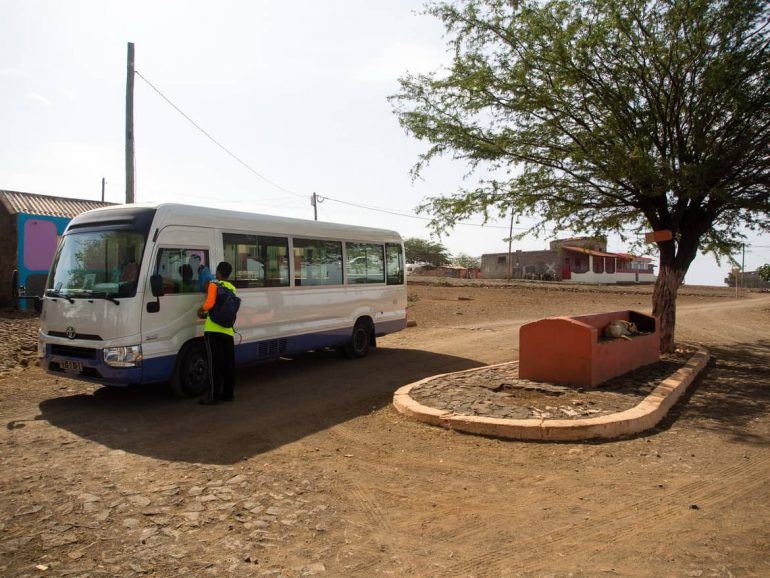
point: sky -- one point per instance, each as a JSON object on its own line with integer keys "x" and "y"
{"x": 296, "y": 90}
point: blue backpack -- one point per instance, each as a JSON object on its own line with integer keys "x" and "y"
{"x": 226, "y": 307}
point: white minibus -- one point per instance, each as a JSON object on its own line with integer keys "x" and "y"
{"x": 126, "y": 282}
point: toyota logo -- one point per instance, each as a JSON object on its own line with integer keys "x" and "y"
{"x": 70, "y": 332}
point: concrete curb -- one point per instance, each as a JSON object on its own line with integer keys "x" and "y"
{"x": 647, "y": 414}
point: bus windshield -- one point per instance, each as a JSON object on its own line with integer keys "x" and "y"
{"x": 100, "y": 264}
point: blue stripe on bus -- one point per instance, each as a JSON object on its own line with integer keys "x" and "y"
{"x": 158, "y": 369}
{"x": 385, "y": 327}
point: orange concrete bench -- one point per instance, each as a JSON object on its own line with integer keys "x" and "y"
{"x": 573, "y": 350}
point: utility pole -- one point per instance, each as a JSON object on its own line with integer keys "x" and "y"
{"x": 510, "y": 255}
{"x": 743, "y": 262}
{"x": 130, "y": 125}
{"x": 103, "y": 181}
{"x": 314, "y": 202}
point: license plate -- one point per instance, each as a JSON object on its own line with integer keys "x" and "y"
{"x": 72, "y": 366}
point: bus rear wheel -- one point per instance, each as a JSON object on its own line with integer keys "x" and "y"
{"x": 360, "y": 341}
{"x": 191, "y": 377}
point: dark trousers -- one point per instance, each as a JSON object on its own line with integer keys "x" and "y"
{"x": 220, "y": 350}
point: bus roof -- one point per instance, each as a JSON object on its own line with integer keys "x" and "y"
{"x": 182, "y": 214}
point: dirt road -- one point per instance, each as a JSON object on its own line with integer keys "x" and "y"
{"x": 311, "y": 471}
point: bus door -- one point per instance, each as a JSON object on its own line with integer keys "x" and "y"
{"x": 184, "y": 260}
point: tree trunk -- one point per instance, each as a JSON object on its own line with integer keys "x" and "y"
{"x": 670, "y": 277}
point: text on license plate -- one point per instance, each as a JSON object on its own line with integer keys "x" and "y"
{"x": 71, "y": 366}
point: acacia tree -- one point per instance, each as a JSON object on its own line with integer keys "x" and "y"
{"x": 424, "y": 251}
{"x": 605, "y": 115}
{"x": 467, "y": 261}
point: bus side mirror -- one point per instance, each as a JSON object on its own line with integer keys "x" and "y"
{"x": 156, "y": 285}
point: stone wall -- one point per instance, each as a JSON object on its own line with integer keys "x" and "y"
{"x": 526, "y": 265}
{"x": 8, "y": 255}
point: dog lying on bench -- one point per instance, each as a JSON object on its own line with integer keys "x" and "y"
{"x": 620, "y": 329}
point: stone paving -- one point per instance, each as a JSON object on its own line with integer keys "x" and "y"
{"x": 18, "y": 340}
{"x": 179, "y": 527}
{"x": 498, "y": 392}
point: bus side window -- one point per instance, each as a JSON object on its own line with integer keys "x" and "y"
{"x": 317, "y": 262}
{"x": 258, "y": 261}
{"x": 183, "y": 270}
{"x": 395, "y": 264}
{"x": 365, "y": 263}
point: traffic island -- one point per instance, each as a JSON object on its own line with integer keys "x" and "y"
{"x": 495, "y": 401}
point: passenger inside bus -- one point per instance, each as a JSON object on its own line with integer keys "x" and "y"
{"x": 130, "y": 271}
{"x": 204, "y": 273}
{"x": 187, "y": 284}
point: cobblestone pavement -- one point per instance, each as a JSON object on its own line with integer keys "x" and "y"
{"x": 498, "y": 392}
{"x": 18, "y": 340}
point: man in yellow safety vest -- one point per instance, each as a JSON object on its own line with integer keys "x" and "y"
{"x": 220, "y": 346}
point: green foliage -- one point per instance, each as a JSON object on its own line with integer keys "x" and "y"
{"x": 424, "y": 251}
{"x": 764, "y": 272}
{"x": 603, "y": 115}
{"x": 466, "y": 261}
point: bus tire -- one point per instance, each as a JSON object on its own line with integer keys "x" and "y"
{"x": 191, "y": 376}
{"x": 360, "y": 341}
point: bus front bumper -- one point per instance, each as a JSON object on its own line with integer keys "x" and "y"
{"x": 87, "y": 365}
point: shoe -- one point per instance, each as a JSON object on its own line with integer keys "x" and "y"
{"x": 205, "y": 401}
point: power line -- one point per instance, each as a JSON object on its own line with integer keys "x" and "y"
{"x": 413, "y": 216}
{"x": 277, "y": 186}
{"x": 215, "y": 141}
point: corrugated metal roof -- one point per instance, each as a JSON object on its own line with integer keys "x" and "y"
{"x": 32, "y": 204}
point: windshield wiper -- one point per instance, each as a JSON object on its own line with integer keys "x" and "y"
{"x": 55, "y": 293}
{"x": 103, "y": 295}
{"x": 109, "y": 297}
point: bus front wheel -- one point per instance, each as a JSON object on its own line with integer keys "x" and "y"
{"x": 360, "y": 340}
{"x": 191, "y": 377}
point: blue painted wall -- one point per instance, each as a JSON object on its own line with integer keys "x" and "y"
{"x": 29, "y": 250}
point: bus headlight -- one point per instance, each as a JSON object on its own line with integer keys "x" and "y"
{"x": 126, "y": 356}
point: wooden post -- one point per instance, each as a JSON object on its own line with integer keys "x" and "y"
{"x": 130, "y": 125}
{"x": 103, "y": 181}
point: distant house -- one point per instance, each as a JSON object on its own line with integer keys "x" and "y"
{"x": 748, "y": 280}
{"x": 580, "y": 259}
{"x": 30, "y": 227}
